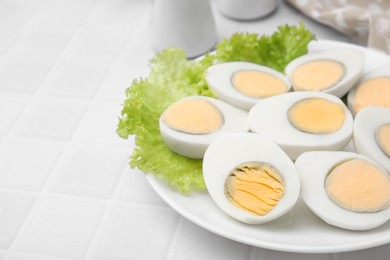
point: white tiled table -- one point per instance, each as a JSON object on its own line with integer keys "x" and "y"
{"x": 66, "y": 191}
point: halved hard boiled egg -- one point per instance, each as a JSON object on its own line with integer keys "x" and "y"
{"x": 333, "y": 71}
{"x": 303, "y": 121}
{"x": 345, "y": 189}
{"x": 250, "y": 178}
{"x": 373, "y": 89}
{"x": 243, "y": 84}
{"x": 371, "y": 135}
{"x": 189, "y": 125}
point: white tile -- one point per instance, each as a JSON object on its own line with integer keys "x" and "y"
{"x": 38, "y": 160}
{"x": 139, "y": 51}
{"x": 42, "y": 43}
{"x": 145, "y": 23}
{"x": 70, "y": 13}
{"x": 62, "y": 227}
{"x": 265, "y": 254}
{"x": 29, "y": 256}
{"x": 204, "y": 245}
{"x": 23, "y": 75}
{"x": 123, "y": 235}
{"x": 134, "y": 188}
{"x": 99, "y": 125}
{"x": 375, "y": 253}
{"x": 2, "y": 54}
{"x": 8, "y": 38}
{"x": 11, "y": 106}
{"x": 52, "y": 118}
{"x": 76, "y": 80}
{"x": 118, "y": 15}
{"x": 119, "y": 80}
{"x": 15, "y": 13}
{"x": 97, "y": 47}
{"x": 90, "y": 171}
{"x": 14, "y": 208}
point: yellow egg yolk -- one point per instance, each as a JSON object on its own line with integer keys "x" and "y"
{"x": 316, "y": 116}
{"x": 257, "y": 84}
{"x": 383, "y": 138}
{"x": 194, "y": 116}
{"x": 317, "y": 75}
{"x": 359, "y": 186}
{"x": 372, "y": 92}
{"x": 254, "y": 187}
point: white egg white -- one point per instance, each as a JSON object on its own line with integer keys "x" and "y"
{"x": 231, "y": 150}
{"x": 351, "y": 59}
{"x": 313, "y": 168}
{"x": 195, "y": 145}
{"x": 367, "y": 121}
{"x": 269, "y": 118}
{"x": 381, "y": 71}
{"x": 219, "y": 79}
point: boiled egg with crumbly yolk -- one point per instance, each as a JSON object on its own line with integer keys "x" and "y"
{"x": 189, "y": 125}
{"x": 371, "y": 135}
{"x": 243, "y": 84}
{"x": 345, "y": 189}
{"x": 303, "y": 121}
{"x": 373, "y": 89}
{"x": 333, "y": 71}
{"x": 250, "y": 178}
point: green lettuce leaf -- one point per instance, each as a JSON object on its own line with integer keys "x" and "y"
{"x": 173, "y": 77}
{"x": 274, "y": 51}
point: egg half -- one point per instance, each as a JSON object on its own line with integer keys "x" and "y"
{"x": 250, "y": 178}
{"x": 371, "y": 135}
{"x": 333, "y": 71}
{"x": 243, "y": 84}
{"x": 345, "y": 189}
{"x": 303, "y": 121}
{"x": 189, "y": 125}
{"x": 373, "y": 89}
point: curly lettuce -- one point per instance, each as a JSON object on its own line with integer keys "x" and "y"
{"x": 173, "y": 77}
{"x": 274, "y": 51}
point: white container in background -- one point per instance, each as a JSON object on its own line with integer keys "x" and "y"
{"x": 246, "y": 9}
{"x": 186, "y": 24}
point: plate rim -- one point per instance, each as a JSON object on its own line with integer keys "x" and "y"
{"x": 284, "y": 247}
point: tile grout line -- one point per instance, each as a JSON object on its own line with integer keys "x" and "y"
{"x": 7, "y": 253}
{"x": 89, "y": 198}
{"x": 9, "y": 54}
{"x": 31, "y": 103}
{"x": 40, "y": 255}
{"x": 37, "y": 94}
{"x": 175, "y": 237}
{"x": 38, "y": 201}
{"x": 111, "y": 202}
{"x": 116, "y": 63}
{"x": 60, "y": 98}
{"x": 110, "y": 66}
{"x": 10, "y": 50}
{"x": 72, "y": 142}
{"x": 105, "y": 216}
{"x": 57, "y": 61}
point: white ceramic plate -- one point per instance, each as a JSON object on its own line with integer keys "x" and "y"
{"x": 298, "y": 231}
